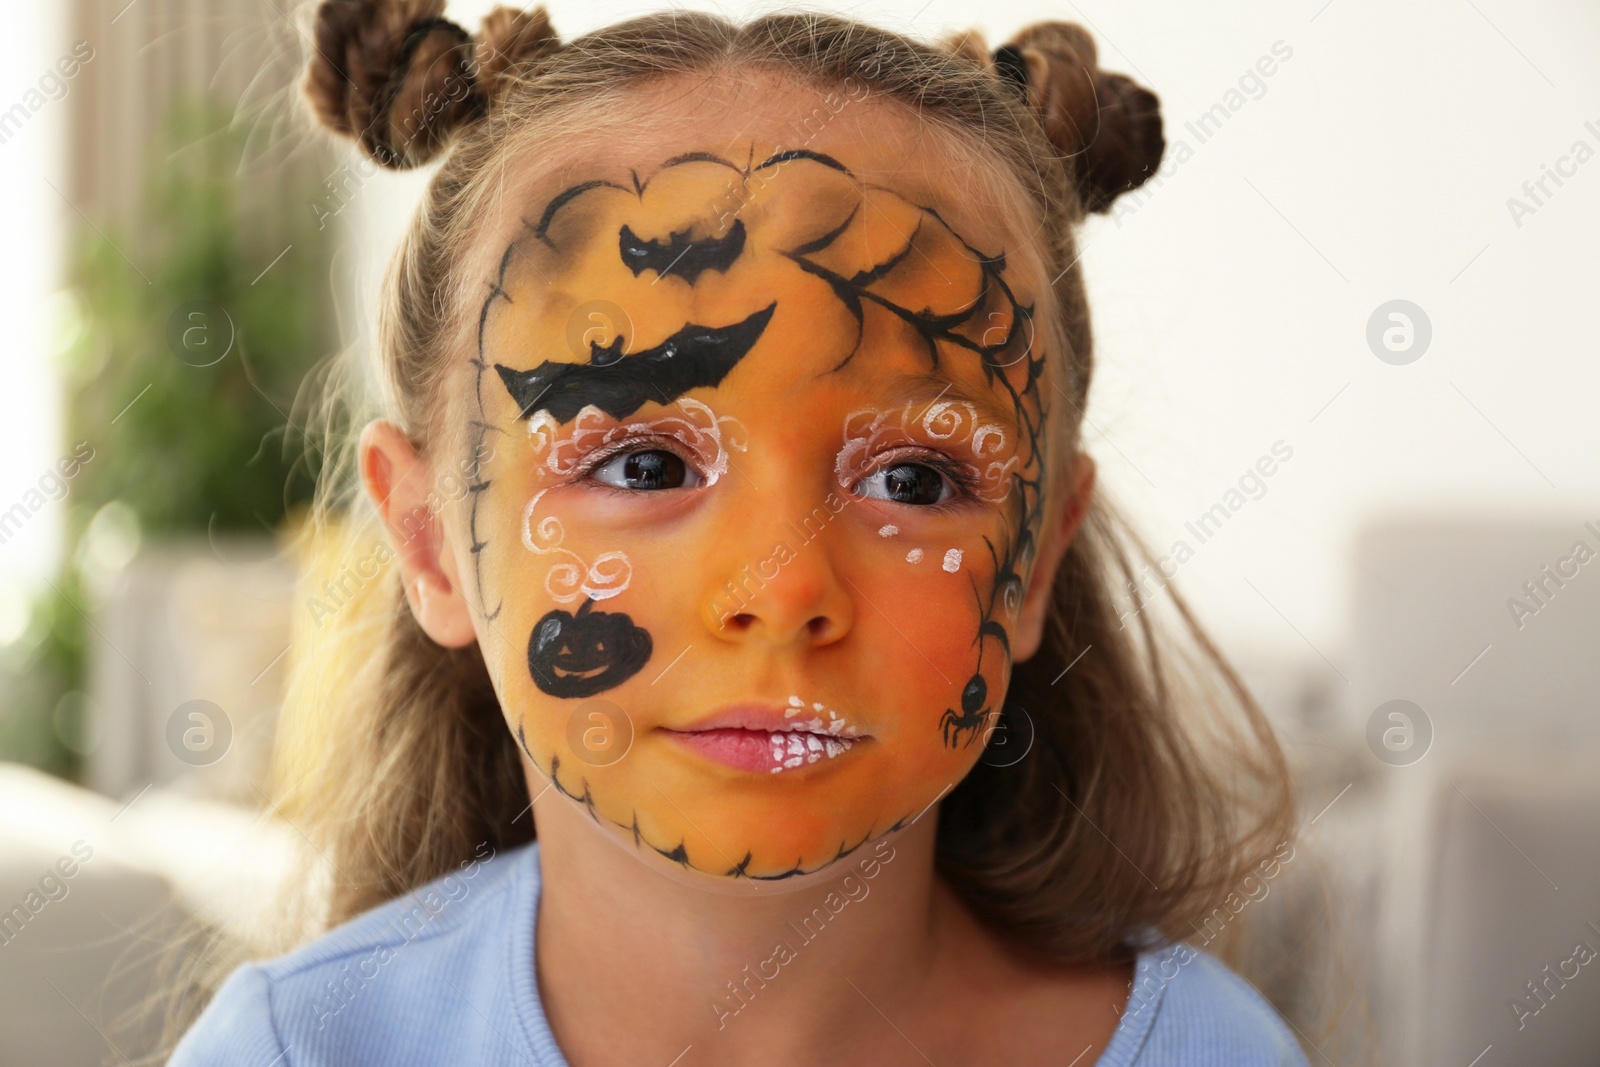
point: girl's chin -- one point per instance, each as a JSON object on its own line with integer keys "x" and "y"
{"x": 699, "y": 850}
{"x": 822, "y": 874}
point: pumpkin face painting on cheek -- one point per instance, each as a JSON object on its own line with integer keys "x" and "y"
{"x": 763, "y": 497}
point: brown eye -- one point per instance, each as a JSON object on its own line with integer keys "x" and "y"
{"x": 645, "y": 470}
{"x": 906, "y": 483}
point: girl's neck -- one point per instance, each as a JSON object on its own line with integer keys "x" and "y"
{"x": 635, "y": 965}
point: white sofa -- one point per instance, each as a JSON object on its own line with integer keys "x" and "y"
{"x": 92, "y": 893}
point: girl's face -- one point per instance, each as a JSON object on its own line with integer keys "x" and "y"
{"x": 758, "y": 435}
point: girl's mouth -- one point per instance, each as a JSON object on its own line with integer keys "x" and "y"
{"x": 770, "y": 740}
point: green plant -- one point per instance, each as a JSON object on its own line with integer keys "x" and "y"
{"x": 197, "y": 321}
{"x": 205, "y": 444}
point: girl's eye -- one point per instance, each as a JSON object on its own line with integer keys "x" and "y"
{"x": 646, "y": 469}
{"x": 907, "y": 483}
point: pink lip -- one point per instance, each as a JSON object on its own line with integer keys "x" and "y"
{"x": 762, "y": 739}
{"x": 764, "y": 717}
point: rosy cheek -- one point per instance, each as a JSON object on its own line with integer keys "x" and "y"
{"x": 946, "y": 612}
{"x": 923, "y": 615}
{"x": 580, "y": 648}
{"x": 575, "y": 647}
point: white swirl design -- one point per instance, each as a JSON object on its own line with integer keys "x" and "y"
{"x": 698, "y": 428}
{"x": 573, "y": 579}
{"x": 954, "y": 421}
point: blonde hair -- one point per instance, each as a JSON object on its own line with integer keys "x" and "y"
{"x": 1154, "y": 786}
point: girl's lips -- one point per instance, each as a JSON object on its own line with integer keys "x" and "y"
{"x": 769, "y": 739}
{"x": 764, "y": 751}
{"x": 817, "y": 718}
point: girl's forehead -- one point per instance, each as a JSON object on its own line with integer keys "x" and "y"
{"x": 736, "y": 123}
{"x": 634, "y": 283}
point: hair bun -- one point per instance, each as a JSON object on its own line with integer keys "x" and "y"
{"x": 401, "y": 79}
{"x": 509, "y": 38}
{"x": 395, "y": 76}
{"x": 1107, "y": 124}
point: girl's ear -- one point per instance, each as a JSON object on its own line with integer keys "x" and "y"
{"x": 400, "y": 484}
{"x": 1054, "y": 540}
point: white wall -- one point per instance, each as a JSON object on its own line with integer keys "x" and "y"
{"x": 30, "y": 263}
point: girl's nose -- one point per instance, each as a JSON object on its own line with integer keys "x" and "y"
{"x": 790, "y": 592}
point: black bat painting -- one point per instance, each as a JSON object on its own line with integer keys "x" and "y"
{"x": 680, "y": 256}
{"x": 619, "y": 385}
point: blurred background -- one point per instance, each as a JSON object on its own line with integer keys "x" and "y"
{"x": 1346, "y": 385}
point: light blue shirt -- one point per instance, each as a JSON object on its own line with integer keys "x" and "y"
{"x": 445, "y": 975}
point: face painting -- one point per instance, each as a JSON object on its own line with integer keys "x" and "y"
{"x": 762, "y": 496}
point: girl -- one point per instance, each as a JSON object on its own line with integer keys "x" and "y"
{"x": 744, "y": 547}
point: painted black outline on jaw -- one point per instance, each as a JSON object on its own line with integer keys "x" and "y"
{"x": 679, "y": 853}
{"x": 619, "y": 385}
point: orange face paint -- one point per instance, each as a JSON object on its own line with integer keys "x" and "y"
{"x": 762, "y": 499}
